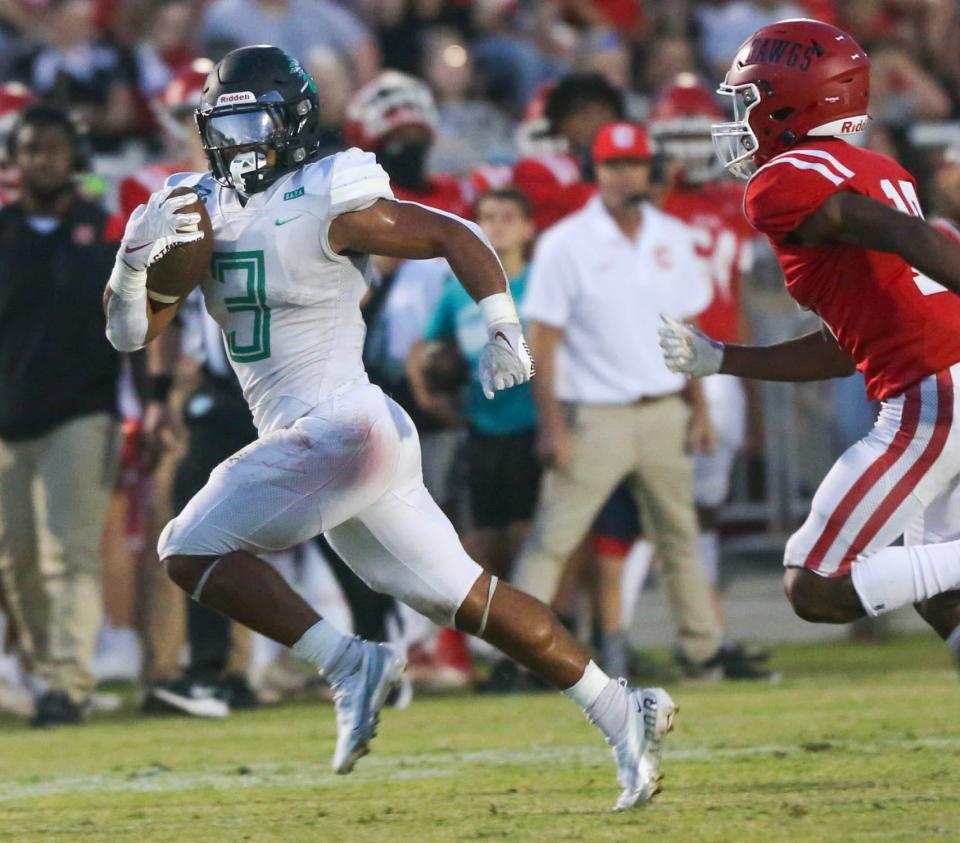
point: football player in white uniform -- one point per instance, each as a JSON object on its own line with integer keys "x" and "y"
{"x": 292, "y": 239}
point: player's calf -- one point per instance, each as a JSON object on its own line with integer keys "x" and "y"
{"x": 524, "y": 629}
{"x": 820, "y": 599}
{"x": 245, "y": 589}
{"x": 633, "y": 721}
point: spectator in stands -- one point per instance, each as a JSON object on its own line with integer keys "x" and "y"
{"x": 608, "y": 408}
{"x": 557, "y": 183}
{"x": 503, "y": 474}
{"x": 723, "y": 26}
{"x": 58, "y": 427}
{"x": 297, "y": 26}
{"x": 668, "y": 57}
{"x": 470, "y": 129}
{"x": 331, "y": 72}
{"x": 84, "y": 74}
{"x": 166, "y": 45}
{"x": 605, "y": 52}
{"x": 901, "y": 89}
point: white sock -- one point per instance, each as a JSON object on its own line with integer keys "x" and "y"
{"x": 603, "y": 700}
{"x": 328, "y": 650}
{"x": 898, "y": 576}
{"x": 708, "y": 545}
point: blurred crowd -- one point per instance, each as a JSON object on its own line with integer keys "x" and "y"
{"x": 494, "y": 110}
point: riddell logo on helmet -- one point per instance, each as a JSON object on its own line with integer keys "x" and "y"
{"x": 233, "y": 99}
{"x": 852, "y": 127}
{"x": 779, "y": 51}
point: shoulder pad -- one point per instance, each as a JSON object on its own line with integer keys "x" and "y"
{"x": 356, "y": 181}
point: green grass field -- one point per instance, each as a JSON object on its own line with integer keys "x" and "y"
{"x": 859, "y": 742}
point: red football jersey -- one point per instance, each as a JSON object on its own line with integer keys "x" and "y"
{"x": 946, "y": 226}
{"x": 898, "y": 325}
{"x": 135, "y": 190}
{"x": 722, "y": 240}
{"x": 490, "y": 177}
{"x": 445, "y": 193}
{"x": 554, "y": 186}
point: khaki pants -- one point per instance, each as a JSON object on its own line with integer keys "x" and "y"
{"x": 54, "y": 492}
{"x": 645, "y": 440}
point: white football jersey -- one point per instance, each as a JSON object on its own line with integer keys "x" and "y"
{"x": 288, "y": 305}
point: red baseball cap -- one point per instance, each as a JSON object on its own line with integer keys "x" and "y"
{"x": 621, "y": 140}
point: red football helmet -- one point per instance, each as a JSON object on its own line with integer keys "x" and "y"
{"x": 182, "y": 94}
{"x": 389, "y": 102}
{"x": 791, "y": 80}
{"x": 14, "y": 98}
{"x": 680, "y": 123}
{"x": 181, "y": 97}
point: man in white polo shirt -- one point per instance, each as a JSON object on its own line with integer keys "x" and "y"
{"x": 609, "y": 408}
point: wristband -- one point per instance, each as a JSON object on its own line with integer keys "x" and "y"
{"x": 499, "y": 308}
{"x": 158, "y": 387}
{"x": 126, "y": 282}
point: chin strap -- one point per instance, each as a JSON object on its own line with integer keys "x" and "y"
{"x": 486, "y": 609}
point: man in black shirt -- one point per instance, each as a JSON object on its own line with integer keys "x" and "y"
{"x": 58, "y": 428}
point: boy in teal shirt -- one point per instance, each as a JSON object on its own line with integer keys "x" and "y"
{"x": 503, "y": 473}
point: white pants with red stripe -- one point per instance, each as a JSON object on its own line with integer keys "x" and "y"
{"x": 901, "y": 479}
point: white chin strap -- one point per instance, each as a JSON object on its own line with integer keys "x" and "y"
{"x": 245, "y": 162}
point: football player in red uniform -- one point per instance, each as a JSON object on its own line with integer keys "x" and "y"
{"x": 680, "y": 122}
{"x": 174, "y": 112}
{"x": 395, "y": 116}
{"x": 848, "y": 232}
{"x": 14, "y": 98}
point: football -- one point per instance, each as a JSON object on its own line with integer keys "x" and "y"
{"x": 175, "y": 274}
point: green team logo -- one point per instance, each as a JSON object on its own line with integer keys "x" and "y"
{"x": 244, "y": 346}
{"x": 297, "y": 70}
{"x": 292, "y": 194}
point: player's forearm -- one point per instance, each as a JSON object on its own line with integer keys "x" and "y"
{"x": 409, "y": 230}
{"x": 861, "y": 221}
{"x": 812, "y": 357}
{"x": 134, "y": 322}
{"x": 162, "y": 355}
{"x": 929, "y": 252}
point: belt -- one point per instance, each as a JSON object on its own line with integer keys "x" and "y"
{"x": 652, "y": 399}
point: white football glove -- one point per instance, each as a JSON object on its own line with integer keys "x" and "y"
{"x": 505, "y": 360}
{"x": 156, "y": 228}
{"x": 687, "y": 351}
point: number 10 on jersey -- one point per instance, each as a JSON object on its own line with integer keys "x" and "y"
{"x": 906, "y": 201}
{"x": 251, "y": 267}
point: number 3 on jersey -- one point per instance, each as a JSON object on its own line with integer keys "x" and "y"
{"x": 906, "y": 201}
{"x": 250, "y": 266}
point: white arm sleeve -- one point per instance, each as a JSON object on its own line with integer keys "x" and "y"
{"x": 127, "y": 322}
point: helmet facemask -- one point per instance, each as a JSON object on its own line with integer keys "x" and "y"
{"x": 250, "y": 146}
{"x": 686, "y": 142}
{"x": 735, "y": 143}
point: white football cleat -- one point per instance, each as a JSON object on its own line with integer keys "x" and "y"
{"x": 639, "y": 751}
{"x": 358, "y": 699}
